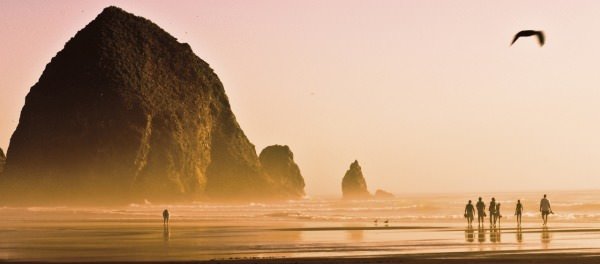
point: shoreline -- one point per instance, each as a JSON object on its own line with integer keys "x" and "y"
{"x": 304, "y": 232}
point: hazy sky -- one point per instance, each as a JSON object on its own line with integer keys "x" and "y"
{"x": 427, "y": 95}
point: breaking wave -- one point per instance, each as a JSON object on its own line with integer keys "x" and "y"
{"x": 572, "y": 207}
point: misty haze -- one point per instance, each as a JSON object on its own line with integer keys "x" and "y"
{"x": 297, "y": 132}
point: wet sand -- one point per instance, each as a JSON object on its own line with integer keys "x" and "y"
{"x": 312, "y": 231}
{"x": 508, "y": 257}
{"x": 436, "y": 258}
{"x": 533, "y": 257}
{"x": 290, "y": 242}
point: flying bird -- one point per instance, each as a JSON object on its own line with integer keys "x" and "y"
{"x": 529, "y": 33}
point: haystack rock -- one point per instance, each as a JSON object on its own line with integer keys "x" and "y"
{"x": 354, "y": 185}
{"x": 278, "y": 163}
{"x": 381, "y": 194}
{"x": 2, "y": 160}
{"x": 125, "y": 112}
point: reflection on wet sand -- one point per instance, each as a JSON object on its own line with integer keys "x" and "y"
{"x": 166, "y": 233}
{"x": 355, "y": 235}
{"x": 469, "y": 234}
{"x": 546, "y": 237}
{"x": 481, "y": 235}
{"x": 495, "y": 235}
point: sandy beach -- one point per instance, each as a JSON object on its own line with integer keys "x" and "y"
{"x": 508, "y": 257}
{"x": 310, "y": 231}
{"x": 205, "y": 131}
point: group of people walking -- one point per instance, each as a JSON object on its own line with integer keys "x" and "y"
{"x": 495, "y": 215}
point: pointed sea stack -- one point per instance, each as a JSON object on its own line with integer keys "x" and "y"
{"x": 125, "y": 112}
{"x": 354, "y": 185}
{"x": 278, "y": 163}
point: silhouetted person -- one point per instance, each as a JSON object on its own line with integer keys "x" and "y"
{"x": 480, "y": 211}
{"x": 469, "y": 213}
{"x": 519, "y": 212}
{"x": 528, "y": 33}
{"x": 166, "y": 217}
{"x": 545, "y": 209}
{"x": 492, "y": 209}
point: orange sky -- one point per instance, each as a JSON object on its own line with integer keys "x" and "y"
{"x": 427, "y": 95}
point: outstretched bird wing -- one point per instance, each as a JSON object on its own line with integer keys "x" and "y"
{"x": 541, "y": 38}
{"x": 515, "y": 39}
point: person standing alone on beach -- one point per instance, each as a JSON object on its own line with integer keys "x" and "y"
{"x": 492, "y": 210}
{"x": 469, "y": 212}
{"x": 166, "y": 217}
{"x": 545, "y": 209}
{"x": 519, "y": 212}
{"x": 480, "y": 211}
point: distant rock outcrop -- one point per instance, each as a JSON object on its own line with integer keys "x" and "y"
{"x": 354, "y": 185}
{"x": 278, "y": 163}
{"x": 2, "y": 160}
{"x": 125, "y": 112}
{"x": 381, "y": 194}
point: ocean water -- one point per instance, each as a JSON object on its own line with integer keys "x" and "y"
{"x": 317, "y": 226}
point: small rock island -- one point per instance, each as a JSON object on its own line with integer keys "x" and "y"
{"x": 354, "y": 185}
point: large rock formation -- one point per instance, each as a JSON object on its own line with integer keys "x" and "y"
{"x": 354, "y": 185}
{"x": 125, "y": 112}
{"x": 2, "y": 160}
{"x": 278, "y": 163}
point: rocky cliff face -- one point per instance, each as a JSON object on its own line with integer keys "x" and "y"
{"x": 354, "y": 185}
{"x": 278, "y": 163}
{"x": 126, "y": 112}
{"x": 2, "y": 160}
